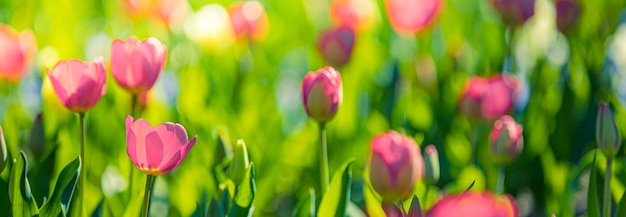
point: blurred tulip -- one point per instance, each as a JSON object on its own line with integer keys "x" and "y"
{"x": 356, "y": 14}
{"x": 489, "y": 98}
{"x": 335, "y": 45}
{"x": 567, "y": 14}
{"x": 507, "y": 140}
{"x": 470, "y": 103}
{"x": 322, "y": 93}
{"x": 240, "y": 162}
{"x": 79, "y": 85}
{"x": 156, "y": 150}
{"x": 411, "y": 16}
{"x": 3, "y": 151}
{"x": 515, "y": 12}
{"x": 136, "y": 65}
{"x": 475, "y": 204}
{"x": 169, "y": 11}
{"x": 431, "y": 164}
{"x": 16, "y": 50}
{"x": 249, "y": 20}
{"x": 210, "y": 27}
{"x": 395, "y": 166}
{"x": 607, "y": 134}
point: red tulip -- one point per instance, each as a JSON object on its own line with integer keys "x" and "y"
{"x": 322, "y": 93}
{"x": 249, "y": 20}
{"x": 567, "y": 14}
{"x": 78, "y": 84}
{"x": 507, "y": 141}
{"x": 336, "y": 45}
{"x": 16, "y": 49}
{"x": 475, "y": 204}
{"x": 395, "y": 166}
{"x": 156, "y": 150}
{"x": 356, "y": 14}
{"x": 136, "y": 65}
{"x": 411, "y": 16}
{"x": 489, "y": 98}
{"x": 515, "y": 12}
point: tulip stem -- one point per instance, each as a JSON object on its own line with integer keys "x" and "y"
{"x": 81, "y": 120}
{"x": 131, "y": 176}
{"x": 133, "y": 104}
{"x": 607, "y": 187}
{"x": 500, "y": 183}
{"x": 146, "y": 198}
{"x": 323, "y": 159}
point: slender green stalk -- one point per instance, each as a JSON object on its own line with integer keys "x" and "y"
{"x": 500, "y": 183}
{"x": 323, "y": 159}
{"x": 607, "y": 187}
{"x": 131, "y": 176}
{"x": 81, "y": 120}
{"x": 133, "y": 103}
{"x": 146, "y": 198}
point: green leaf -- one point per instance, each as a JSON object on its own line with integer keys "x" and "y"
{"x": 306, "y": 205}
{"x": 335, "y": 201}
{"x": 61, "y": 197}
{"x": 215, "y": 209}
{"x": 593, "y": 205}
{"x": 621, "y": 207}
{"x": 415, "y": 210}
{"x": 245, "y": 194}
{"x": 23, "y": 202}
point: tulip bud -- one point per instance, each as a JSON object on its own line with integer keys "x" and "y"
{"x": 335, "y": 45}
{"x": 135, "y": 64}
{"x": 515, "y": 12}
{"x": 507, "y": 141}
{"x": 411, "y": 16}
{"x": 476, "y": 204}
{"x": 431, "y": 165}
{"x": 79, "y": 85}
{"x": 396, "y": 164}
{"x": 607, "y": 134}
{"x": 322, "y": 93}
{"x": 3, "y": 151}
{"x": 567, "y": 14}
{"x": 240, "y": 162}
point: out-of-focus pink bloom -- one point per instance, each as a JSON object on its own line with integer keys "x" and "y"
{"x": 322, "y": 93}
{"x": 156, "y": 150}
{"x": 470, "y": 103}
{"x": 395, "y": 166}
{"x": 335, "y": 45}
{"x": 249, "y": 20}
{"x": 79, "y": 85}
{"x": 515, "y": 12}
{"x": 135, "y": 64}
{"x": 357, "y": 14}
{"x": 489, "y": 98}
{"x": 567, "y": 14}
{"x": 168, "y": 11}
{"x": 431, "y": 164}
{"x": 16, "y": 50}
{"x": 507, "y": 141}
{"x": 475, "y": 204}
{"x": 411, "y": 16}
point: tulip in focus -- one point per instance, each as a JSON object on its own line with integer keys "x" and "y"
{"x": 249, "y": 20}
{"x": 322, "y": 93}
{"x": 507, "y": 140}
{"x": 336, "y": 44}
{"x": 475, "y": 204}
{"x": 3, "y": 151}
{"x": 135, "y": 64}
{"x": 79, "y": 85}
{"x": 567, "y": 14}
{"x": 156, "y": 150}
{"x": 515, "y": 12}
{"x": 395, "y": 166}
{"x": 356, "y": 14}
{"x": 607, "y": 134}
{"x": 431, "y": 165}
{"x": 16, "y": 50}
{"x": 411, "y": 16}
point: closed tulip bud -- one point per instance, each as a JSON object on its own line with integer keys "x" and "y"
{"x": 412, "y": 16}
{"x": 476, "y": 204}
{"x": 135, "y": 64}
{"x": 79, "y": 85}
{"x": 3, "y": 151}
{"x": 567, "y": 14}
{"x": 156, "y": 150}
{"x": 515, "y": 12}
{"x": 322, "y": 93}
{"x": 240, "y": 162}
{"x": 16, "y": 49}
{"x": 396, "y": 164}
{"x": 607, "y": 134}
{"x": 431, "y": 165}
{"x": 335, "y": 45}
{"x": 249, "y": 20}
{"x": 507, "y": 141}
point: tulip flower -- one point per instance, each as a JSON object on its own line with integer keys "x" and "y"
{"x": 515, "y": 12}
{"x": 470, "y": 103}
{"x": 411, "y": 16}
{"x": 507, "y": 141}
{"x": 136, "y": 65}
{"x": 322, "y": 93}
{"x": 431, "y": 164}
{"x": 567, "y": 14}
{"x": 475, "y": 204}
{"x": 79, "y": 85}
{"x": 356, "y": 14}
{"x": 489, "y": 98}
{"x": 16, "y": 49}
{"x": 3, "y": 151}
{"x": 249, "y": 20}
{"x": 607, "y": 134}
{"x": 396, "y": 164}
{"x": 335, "y": 45}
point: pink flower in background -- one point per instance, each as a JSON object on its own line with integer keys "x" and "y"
{"x": 156, "y": 150}
{"x": 506, "y": 139}
{"x": 515, "y": 12}
{"x": 567, "y": 14}
{"x": 135, "y": 64}
{"x": 395, "y": 166}
{"x": 16, "y": 50}
{"x": 470, "y": 103}
{"x": 168, "y": 11}
{"x": 475, "y": 204}
{"x": 356, "y": 14}
{"x": 249, "y": 20}
{"x": 79, "y": 85}
{"x": 336, "y": 45}
{"x": 411, "y": 16}
{"x": 322, "y": 93}
{"x": 489, "y": 98}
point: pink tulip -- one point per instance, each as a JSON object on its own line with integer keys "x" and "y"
{"x": 249, "y": 20}
{"x": 395, "y": 166}
{"x": 507, "y": 141}
{"x": 335, "y": 45}
{"x": 136, "y": 65}
{"x": 356, "y": 14}
{"x": 489, "y": 98}
{"x": 78, "y": 84}
{"x": 567, "y": 14}
{"x": 16, "y": 49}
{"x": 470, "y": 103}
{"x": 322, "y": 93}
{"x": 475, "y": 204}
{"x": 411, "y": 16}
{"x": 515, "y": 12}
{"x": 156, "y": 150}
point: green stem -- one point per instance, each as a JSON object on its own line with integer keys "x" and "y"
{"x": 607, "y": 187}
{"x": 323, "y": 159}
{"x": 131, "y": 176}
{"x": 146, "y": 198}
{"x": 500, "y": 183}
{"x": 133, "y": 103}
{"x": 81, "y": 120}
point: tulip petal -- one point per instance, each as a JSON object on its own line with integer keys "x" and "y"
{"x": 173, "y": 136}
{"x": 131, "y": 141}
{"x": 171, "y": 163}
{"x": 154, "y": 150}
{"x": 141, "y": 129}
